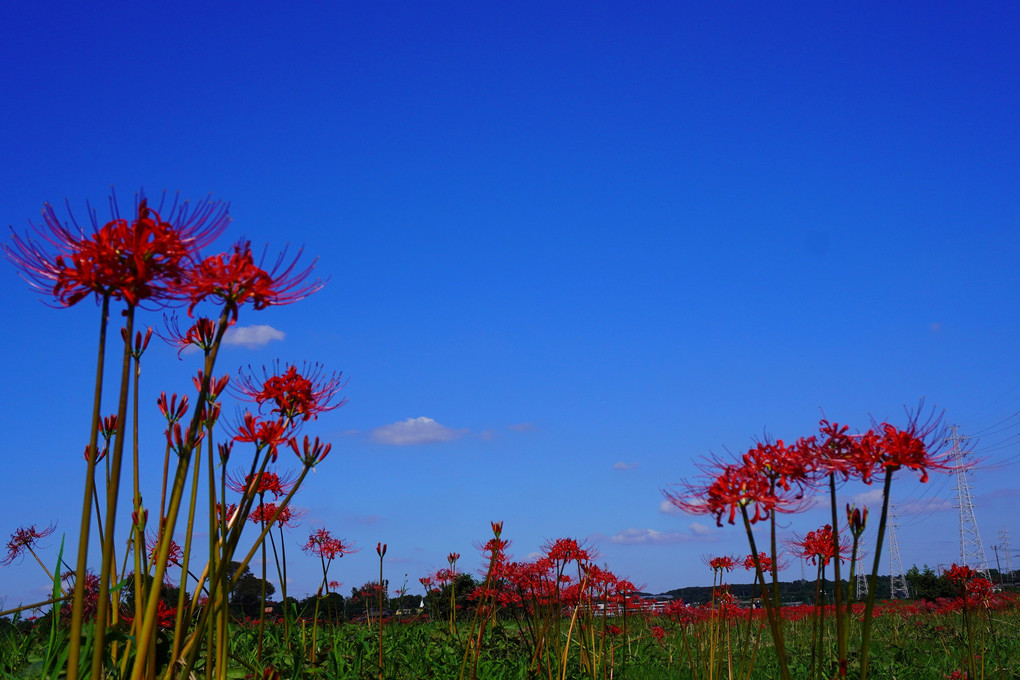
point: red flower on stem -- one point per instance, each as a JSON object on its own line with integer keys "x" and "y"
{"x": 720, "y": 564}
{"x": 817, "y": 546}
{"x": 263, "y": 433}
{"x": 24, "y": 539}
{"x": 312, "y": 452}
{"x": 234, "y": 280}
{"x": 141, "y": 260}
{"x": 322, "y": 544}
{"x": 294, "y": 395}
{"x": 261, "y": 483}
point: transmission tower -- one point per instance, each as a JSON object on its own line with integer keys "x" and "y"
{"x": 861, "y": 578}
{"x": 972, "y": 552}
{"x": 1004, "y": 544}
{"x": 897, "y": 579}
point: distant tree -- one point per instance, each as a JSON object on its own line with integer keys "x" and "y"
{"x": 246, "y": 595}
{"x": 437, "y": 602}
{"x": 927, "y": 585}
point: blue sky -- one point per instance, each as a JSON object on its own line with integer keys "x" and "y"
{"x": 588, "y": 242}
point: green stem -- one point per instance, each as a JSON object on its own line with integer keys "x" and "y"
{"x": 177, "y": 491}
{"x": 78, "y": 598}
{"x": 771, "y": 605}
{"x": 841, "y": 638}
{"x": 112, "y": 492}
{"x": 873, "y": 580}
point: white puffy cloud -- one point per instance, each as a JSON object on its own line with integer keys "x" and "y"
{"x": 699, "y": 529}
{"x": 649, "y": 536}
{"x": 252, "y": 336}
{"x": 667, "y": 508}
{"x": 623, "y": 465}
{"x": 412, "y": 431}
{"x": 871, "y": 498}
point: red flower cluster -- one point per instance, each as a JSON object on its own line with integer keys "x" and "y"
{"x": 234, "y": 279}
{"x": 24, "y": 538}
{"x": 261, "y": 483}
{"x": 155, "y": 261}
{"x": 818, "y": 546}
{"x": 974, "y": 589}
{"x": 296, "y": 395}
{"x": 265, "y": 512}
{"x": 139, "y": 260}
{"x": 175, "y": 555}
{"x": 777, "y": 478}
{"x": 322, "y": 544}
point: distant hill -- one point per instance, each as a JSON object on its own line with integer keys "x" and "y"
{"x": 789, "y": 591}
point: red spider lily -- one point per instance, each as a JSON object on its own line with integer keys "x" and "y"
{"x": 837, "y": 453}
{"x": 24, "y": 538}
{"x": 108, "y": 427}
{"x": 312, "y": 452}
{"x": 960, "y": 573}
{"x": 735, "y": 487}
{"x": 201, "y": 334}
{"x": 263, "y": 433}
{"x": 763, "y": 559}
{"x": 295, "y": 394}
{"x": 857, "y": 519}
{"x": 452, "y": 559}
{"x": 90, "y": 601}
{"x": 908, "y": 449}
{"x": 178, "y": 442}
{"x": 261, "y": 483}
{"x": 102, "y": 453}
{"x": 174, "y": 556}
{"x": 136, "y": 261}
{"x": 263, "y": 513}
{"x": 141, "y": 342}
{"x": 380, "y": 549}
{"x": 216, "y": 385}
{"x": 225, "y": 513}
{"x": 210, "y": 414}
{"x": 235, "y": 280}
{"x": 322, "y": 544}
{"x": 818, "y": 546}
{"x": 565, "y": 550}
{"x": 786, "y": 466}
{"x": 720, "y": 564}
{"x": 165, "y": 615}
{"x": 172, "y": 411}
{"x": 443, "y": 576}
{"x": 288, "y": 517}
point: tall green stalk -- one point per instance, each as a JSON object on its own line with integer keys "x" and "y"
{"x": 873, "y": 579}
{"x": 78, "y": 598}
{"x": 115, "y": 459}
{"x": 772, "y": 611}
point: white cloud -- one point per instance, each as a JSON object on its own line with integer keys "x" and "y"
{"x": 252, "y": 336}
{"x": 667, "y": 508}
{"x": 412, "y": 431}
{"x": 649, "y": 536}
{"x": 522, "y": 427}
{"x": 871, "y": 498}
{"x": 622, "y": 465}
{"x": 699, "y": 529}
